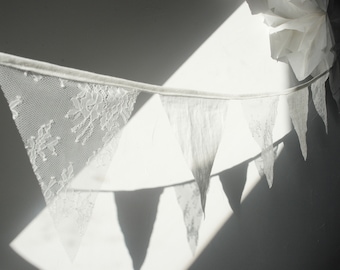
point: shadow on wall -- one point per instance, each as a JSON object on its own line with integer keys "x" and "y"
{"x": 137, "y": 208}
{"x": 139, "y": 40}
{"x": 294, "y": 225}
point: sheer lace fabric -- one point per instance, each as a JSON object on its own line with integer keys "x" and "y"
{"x": 68, "y": 128}
{"x": 71, "y": 129}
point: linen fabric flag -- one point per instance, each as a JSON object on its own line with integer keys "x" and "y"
{"x": 318, "y": 89}
{"x": 298, "y": 111}
{"x": 261, "y": 116}
{"x": 198, "y": 124}
{"x": 70, "y": 130}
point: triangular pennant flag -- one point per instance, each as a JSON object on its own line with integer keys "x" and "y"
{"x": 318, "y": 89}
{"x": 261, "y": 115}
{"x": 137, "y": 211}
{"x": 188, "y": 197}
{"x": 198, "y": 124}
{"x": 69, "y": 139}
{"x": 298, "y": 111}
{"x": 260, "y": 164}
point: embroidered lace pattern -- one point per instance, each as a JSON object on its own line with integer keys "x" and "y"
{"x": 13, "y": 104}
{"x": 66, "y": 125}
{"x": 37, "y": 145}
{"x": 98, "y": 103}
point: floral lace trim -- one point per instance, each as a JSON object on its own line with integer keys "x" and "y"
{"x": 64, "y": 203}
{"x": 54, "y": 187}
{"x": 110, "y": 106}
{"x": 38, "y": 145}
{"x": 13, "y": 105}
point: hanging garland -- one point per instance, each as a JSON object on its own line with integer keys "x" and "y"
{"x": 74, "y": 133}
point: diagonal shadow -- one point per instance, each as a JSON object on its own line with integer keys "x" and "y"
{"x": 139, "y": 40}
{"x": 294, "y": 225}
{"x": 137, "y": 212}
{"x": 145, "y": 40}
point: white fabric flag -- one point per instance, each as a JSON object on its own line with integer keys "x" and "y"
{"x": 70, "y": 130}
{"x": 261, "y": 115}
{"x": 188, "y": 197}
{"x": 318, "y": 89}
{"x": 298, "y": 111}
{"x": 198, "y": 124}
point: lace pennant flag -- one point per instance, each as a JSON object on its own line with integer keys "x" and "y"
{"x": 198, "y": 124}
{"x": 70, "y": 137}
{"x": 261, "y": 116}
{"x": 188, "y": 197}
{"x": 298, "y": 110}
{"x": 318, "y": 89}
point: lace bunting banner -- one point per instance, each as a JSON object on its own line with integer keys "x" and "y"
{"x": 70, "y": 120}
{"x": 198, "y": 125}
{"x": 75, "y": 137}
